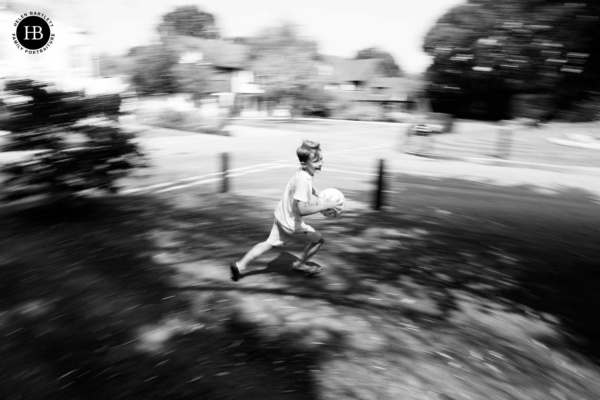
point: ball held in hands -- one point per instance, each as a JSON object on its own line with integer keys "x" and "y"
{"x": 334, "y": 195}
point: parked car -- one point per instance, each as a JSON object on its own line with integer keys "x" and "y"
{"x": 426, "y": 129}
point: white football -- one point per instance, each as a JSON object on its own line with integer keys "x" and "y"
{"x": 331, "y": 194}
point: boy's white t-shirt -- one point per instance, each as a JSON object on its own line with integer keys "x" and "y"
{"x": 300, "y": 188}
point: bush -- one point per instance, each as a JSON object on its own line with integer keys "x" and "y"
{"x": 582, "y": 111}
{"x": 160, "y": 113}
{"x": 360, "y": 112}
{"x": 314, "y": 103}
{"x": 47, "y": 120}
{"x": 532, "y": 106}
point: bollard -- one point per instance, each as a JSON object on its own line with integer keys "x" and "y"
{"x": 379, "y": 189}
{"x": 225, "y": 172}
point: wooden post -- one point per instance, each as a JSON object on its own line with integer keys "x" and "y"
{"x": 225, "y": 172}
{"x": 380, "y": 188}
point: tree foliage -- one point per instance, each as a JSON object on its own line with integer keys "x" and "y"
{"x": 151, "y": 69}
{"x": 285, "y": 66}
{"x": 390, "y": 66}
{"x": 545, "y": 53}
{"x": 78, "y": 148}
{"x": 156, "y": 68}
{"x": 189, "y": 21}
{"x": 193, "y": 79}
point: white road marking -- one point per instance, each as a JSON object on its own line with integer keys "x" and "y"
{"x": 350, "y": 172}
{"x": 240, "y": 171}
{"x": 202, "y": 182}
{"x": 257, "y": 170}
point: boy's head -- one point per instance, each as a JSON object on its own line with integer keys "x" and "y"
{"x": 310, "y": 156}
{"x": 307, "y": 150}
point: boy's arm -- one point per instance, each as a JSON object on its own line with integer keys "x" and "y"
{"x": 305, "y": 208}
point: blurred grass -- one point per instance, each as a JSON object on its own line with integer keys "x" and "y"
{"x": 130, "y": 297}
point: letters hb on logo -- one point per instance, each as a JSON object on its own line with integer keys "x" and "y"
{"x": 33, "y": 32}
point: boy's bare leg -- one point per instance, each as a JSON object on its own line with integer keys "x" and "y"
{"x": 309, "y": 251}
{"x": 254, "y": 252}
{"x": 240, "y": 266}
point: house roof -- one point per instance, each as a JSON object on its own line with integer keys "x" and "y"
{"x": 218, "y": 52}
{"x": 349, "y": 70}
{"x": 405, "y": 85}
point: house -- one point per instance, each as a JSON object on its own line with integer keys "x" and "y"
{"x": 348, "y": 75}
{"x": 365, "y": 82}
{"x": 232, "y": 84}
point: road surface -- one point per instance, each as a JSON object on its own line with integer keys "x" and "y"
{"x": 261, "y": 160}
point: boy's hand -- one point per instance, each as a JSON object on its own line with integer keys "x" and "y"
{"x": 327, "y": 205}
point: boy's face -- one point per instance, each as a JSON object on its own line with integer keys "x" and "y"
{"x": 314, "y": 163}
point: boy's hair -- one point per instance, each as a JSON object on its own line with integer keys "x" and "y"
{"x": 307, "y": 149}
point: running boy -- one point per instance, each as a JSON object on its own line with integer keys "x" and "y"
{"x": 294, "y": 204}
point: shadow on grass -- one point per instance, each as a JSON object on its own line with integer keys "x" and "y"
{"x": 130, "y": 297}
{"x": 91, "y": 311}
{"x": 529, "y": 250}
{"x": 280, "y": 265}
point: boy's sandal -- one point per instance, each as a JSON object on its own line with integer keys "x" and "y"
{"x": 235, "y": 272}
{"x": 308, "y": 270}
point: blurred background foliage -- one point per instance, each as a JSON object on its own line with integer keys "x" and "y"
{"x": 285, "y": 65}
{"x": 155, "y": 68}
{"x": 74, "y": 142}
{"x": 492, "y": 60}
{"x": 536, "y": 59}
{"x": 516, "y": 58}
{"x": 151, "y": 69}
{"x": 189, "y": 21}
{"x": 391, "y": 68}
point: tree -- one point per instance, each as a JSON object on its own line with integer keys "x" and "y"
{"x": 545, "y": 51}
{"x": 189, "y": 21}
{"x": 285, "y": 66}
{"x": 389, "y": 63}
{"x": 156, "y": 69}
{"x": 151, "y": 69}
{"x": 193, "y": 79}
{"x": 76, "y": 150}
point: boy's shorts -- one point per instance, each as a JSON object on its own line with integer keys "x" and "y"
{"x": 280, "y": 237}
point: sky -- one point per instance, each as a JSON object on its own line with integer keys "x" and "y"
{"x": 340, "y": 27}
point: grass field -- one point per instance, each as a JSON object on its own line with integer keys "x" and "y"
{"x": 130, "y": 298}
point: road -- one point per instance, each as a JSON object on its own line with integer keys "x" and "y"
{"x": 261, "y": 160}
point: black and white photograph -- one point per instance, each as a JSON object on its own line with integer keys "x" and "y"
{"x": 285, "y": 200}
